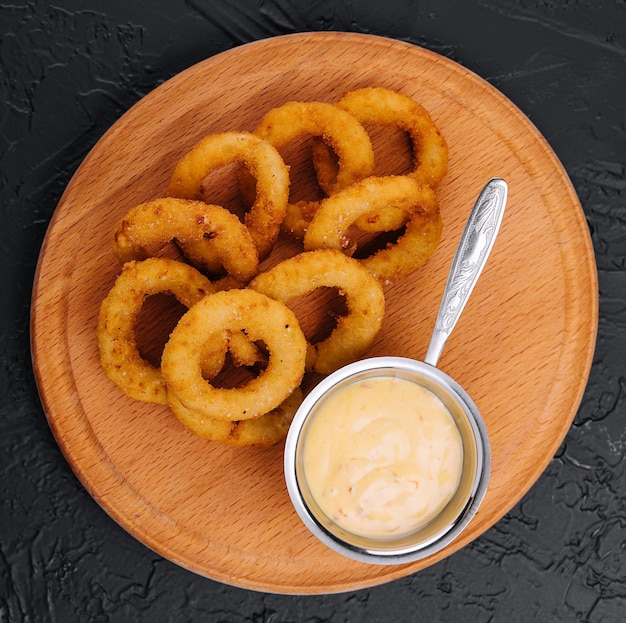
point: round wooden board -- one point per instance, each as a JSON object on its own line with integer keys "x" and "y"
{"x": 522, "y": 349}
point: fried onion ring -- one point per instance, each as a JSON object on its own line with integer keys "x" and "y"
{"x": 338, "y": 129}
{"x": 383, "y": 107}
{"x": 365, "y": 301}
{"x": 117, "y": 343}
{"x": 264, "y": 163}
{"x": 160, "y": 221}
{"x": 262, "y": 319}
{"x": 328, "y": 228}
{"x": 265, "y": 430}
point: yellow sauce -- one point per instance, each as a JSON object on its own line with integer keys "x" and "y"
{"x": 382, "y": 457}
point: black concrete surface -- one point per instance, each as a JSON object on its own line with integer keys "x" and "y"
{"x": 70, "y": 68}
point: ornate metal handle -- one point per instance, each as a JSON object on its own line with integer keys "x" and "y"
{"x": 474, "y": 248}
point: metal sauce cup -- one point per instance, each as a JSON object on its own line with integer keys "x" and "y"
{"x": 474, "y": 247}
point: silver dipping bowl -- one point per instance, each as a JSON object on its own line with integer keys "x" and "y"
{"x": 451, "y": 520}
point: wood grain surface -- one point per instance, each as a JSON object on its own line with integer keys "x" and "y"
{"x": 522, "y": 349}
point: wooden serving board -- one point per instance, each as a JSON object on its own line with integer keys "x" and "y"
{"x": 522, "y": 349}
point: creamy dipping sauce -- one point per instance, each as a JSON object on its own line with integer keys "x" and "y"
{"x": 382, "y": 457}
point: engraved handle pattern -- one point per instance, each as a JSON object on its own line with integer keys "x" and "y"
{"x": 472, "y": 253}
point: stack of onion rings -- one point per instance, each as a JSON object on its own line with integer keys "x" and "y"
{"x": 370, "y": 106}
{"x": 262, "y": 430}
{"x": 245, "y": 314}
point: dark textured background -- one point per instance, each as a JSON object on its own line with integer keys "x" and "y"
{"x": 69, "y": 69}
